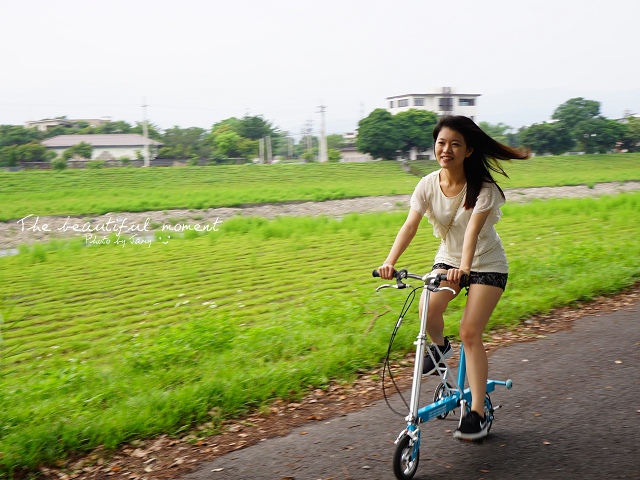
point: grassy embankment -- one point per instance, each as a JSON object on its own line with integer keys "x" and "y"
{"x": 91, "y": 192}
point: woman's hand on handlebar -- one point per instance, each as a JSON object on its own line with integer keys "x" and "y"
{"x": 386, "y": 271}
{"x": 454, "y": 275}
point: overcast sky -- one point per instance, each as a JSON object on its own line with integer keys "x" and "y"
{"x": 200, "y": 61}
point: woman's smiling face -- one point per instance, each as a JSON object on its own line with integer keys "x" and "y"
{"x": 451, "y": 149}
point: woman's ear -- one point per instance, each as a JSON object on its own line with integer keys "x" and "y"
{"x": 469, "y": 152}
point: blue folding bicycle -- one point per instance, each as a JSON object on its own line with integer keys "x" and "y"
{"x": 449, "y": 394}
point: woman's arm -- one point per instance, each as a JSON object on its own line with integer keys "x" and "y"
{"x": 402, "y": 241}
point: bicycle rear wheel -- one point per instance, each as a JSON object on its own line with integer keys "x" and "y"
{"x": 488, "y": 411}
{"x": 440, "y": 393}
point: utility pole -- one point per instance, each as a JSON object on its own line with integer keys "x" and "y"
{"x": 261, "y": 148}
{"x": 145, "y": 133}
{"x": 322, "y": 148}
{"x": 269, "y": 154}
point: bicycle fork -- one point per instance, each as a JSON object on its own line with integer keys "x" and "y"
{"x": 412, "y": 419}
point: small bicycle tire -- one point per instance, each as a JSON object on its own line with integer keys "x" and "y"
{"x": 406, "y": 458}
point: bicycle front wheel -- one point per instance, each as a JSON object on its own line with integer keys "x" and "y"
{"x": 406, "y": 458}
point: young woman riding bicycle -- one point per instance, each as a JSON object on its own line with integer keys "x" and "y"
{"x": 462, "y": 201}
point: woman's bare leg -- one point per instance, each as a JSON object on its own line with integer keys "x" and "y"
{"x": 481, "y": 302}
{"x": 438, "y": 302}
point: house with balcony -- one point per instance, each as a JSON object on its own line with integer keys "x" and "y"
{"x": 47, "y": 124}
{"x": 441, "y": 101}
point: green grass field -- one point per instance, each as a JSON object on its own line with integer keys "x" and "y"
{"x": 105, "y": 344}
{"x": 91, "y": 192}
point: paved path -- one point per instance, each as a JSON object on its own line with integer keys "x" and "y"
{"x": 573, "y": 413}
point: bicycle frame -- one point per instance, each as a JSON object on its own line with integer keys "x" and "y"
{"x": 446, "y": 398}
{"x": 456, "y": 395}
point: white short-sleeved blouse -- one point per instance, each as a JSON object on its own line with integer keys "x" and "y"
{"x": 429, "y": 200}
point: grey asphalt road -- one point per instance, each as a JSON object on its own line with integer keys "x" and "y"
{"x": 573, "y": 413}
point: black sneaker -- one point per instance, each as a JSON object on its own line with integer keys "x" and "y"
{"x": 428, "y": 366}
{"x": 472, "y": 427}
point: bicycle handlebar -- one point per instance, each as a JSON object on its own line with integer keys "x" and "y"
{"x": 401, "y": 274}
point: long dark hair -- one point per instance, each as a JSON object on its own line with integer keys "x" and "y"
{"x": 484, "y": 159}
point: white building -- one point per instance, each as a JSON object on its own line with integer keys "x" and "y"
{"x": 443, "y": 101}
{"x": 106, "y": 146}
{"x": 49, "y": 123}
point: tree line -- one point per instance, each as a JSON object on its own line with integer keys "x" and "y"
{"x": 226, "y": 141}
{"x": 576, "y": 125}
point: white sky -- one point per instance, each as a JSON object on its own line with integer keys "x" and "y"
{"x": 198, "y": 62}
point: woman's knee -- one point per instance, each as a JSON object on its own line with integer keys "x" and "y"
{"x": 470, "y": 335}
{"x": 438, "y": 303}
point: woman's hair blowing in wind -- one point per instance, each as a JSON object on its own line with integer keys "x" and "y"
{"x": 484, "y": 159}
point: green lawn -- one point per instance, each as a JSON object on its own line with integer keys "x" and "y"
{"x": 105, "y": 344}
{"x": 90, "y": 192}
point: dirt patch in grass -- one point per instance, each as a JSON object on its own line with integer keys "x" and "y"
{"x": 13, "y": 233}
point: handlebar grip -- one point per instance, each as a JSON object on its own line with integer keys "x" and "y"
{"x": 375, "y": 273}
{"x": 464, "y": 281}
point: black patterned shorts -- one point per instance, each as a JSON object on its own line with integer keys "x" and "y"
{"x": 482, "y": 278}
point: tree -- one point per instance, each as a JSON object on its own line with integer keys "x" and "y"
{"x": 119, "y": 126}
{"x": 153, "y": 131}
{"x": 82, "y": 149}
{"x": 227, "y": 143}
{"x": 335, "y": 141}
{"x": 543, "y": 138}
{"x": 59, "y": 163}
{"x": 231, "y": 122}
{"x": 333, "y": 155}
{"x": 12, "y": 155}
{"x": 17, "y": 135}
{"x": 599, "y": 135}
{"x": 8, "y": 156}
{"x": 498, "y": 131}
{"x": 631, "y": 134}
{"x": 58, "y": 130}
{"x": 307, "y": 143}
{"x": 175, "y": 136}
{"x": 378, "y": 135}
{"x": 232, "y": 138}
{"x": 255, "y": 128}
{"x": 576, "y": 110}
{"x": 574, "y": 115}
{"x": 184, "y": 143}
{"x": 415, "y": 128}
